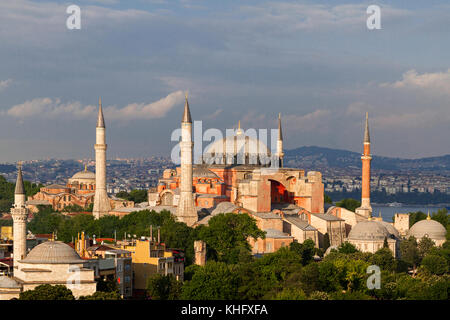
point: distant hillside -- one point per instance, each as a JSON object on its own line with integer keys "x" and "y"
{"x": 313, "y": 156}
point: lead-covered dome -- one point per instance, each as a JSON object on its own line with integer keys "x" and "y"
{"x": 54, "y": 252}
{"x": 368, "y": 230}
{"x": 428, "y": 228}
{"x": 237, "y": 149}
{"x": 84, "y": 176}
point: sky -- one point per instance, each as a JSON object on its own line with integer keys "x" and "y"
{"x": 315, "y": 62}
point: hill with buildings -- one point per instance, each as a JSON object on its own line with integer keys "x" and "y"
{"x": 320, "y": 157}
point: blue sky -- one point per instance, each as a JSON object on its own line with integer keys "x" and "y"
{"x": 313, "y": 61}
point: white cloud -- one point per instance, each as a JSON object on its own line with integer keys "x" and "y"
{"x": 54, "y": 108}
{"x": 49, "y": 108}
{"x": 157, "y": 109}
{"x": 5, "y": 84}
{"x": 437, "y": 82}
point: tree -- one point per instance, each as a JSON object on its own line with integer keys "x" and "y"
{"x": 424, "y": 246}
{"x": 163, "y": 287}
{"x": 107, "y": 286}
{"x": 409, "y": 252}
{"x": 214, "y": 281}
{"x": 327, "y": 199}
{"x": 227, "y": 234}
{"x": 435, "y": 264}
{"x": 384, "y": 259}
{"x": 101, "y": 295}
{"x": 349, "y": 204}
{"x": 347, "y": 247}
{"x": 291, "y": 294}
{"x": 47, "y": 292}
{"x": 326, "y": 241}
{"x": 385, "y": 243}
{"x": 305, "y": 250}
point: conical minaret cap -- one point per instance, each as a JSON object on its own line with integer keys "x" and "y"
{"x": 366, "y": 130}
{"x": 280, "y": 131}
{"x": 100, "y": 119}
{"x": 19, "y": 182}
{"x": 187, "y": 113}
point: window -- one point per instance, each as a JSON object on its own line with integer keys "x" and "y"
{"x": 127, "y": 267}
{"x": 269, "y": 247}
{"x": 127, "y": 279}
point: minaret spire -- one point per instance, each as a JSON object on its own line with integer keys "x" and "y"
{"x": 20, "y": 190}
{"x": 187, "y": 113}
{"x": 100, "y": 119}
{"x": 280, "y": 132}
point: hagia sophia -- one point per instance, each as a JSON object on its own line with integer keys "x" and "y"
{"x": 287, "y": 203}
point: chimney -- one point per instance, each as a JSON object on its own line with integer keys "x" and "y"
{"x": 151, "y": 233}
{"x": 159, "y": 235}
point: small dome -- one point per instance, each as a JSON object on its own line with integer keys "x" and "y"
{"x": 428, "y": 228}
{"x": 84, "y": 175}
{"x": 55, "y": 252}
{"x": 368, "y": 230}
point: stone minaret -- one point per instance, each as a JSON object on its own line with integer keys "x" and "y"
{"x": 19, "y": 213}
{"x": 101, "y": 202}
{"x": 366, "y": 208}
{"x": 280, "y": 153}
{"x": 186, "y": 211}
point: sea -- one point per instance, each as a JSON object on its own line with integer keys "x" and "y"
{"x": 388, "y": 212}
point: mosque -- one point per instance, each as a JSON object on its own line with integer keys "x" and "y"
{"x": 287, "y": 203}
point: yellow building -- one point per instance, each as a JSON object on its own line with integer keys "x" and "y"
{"x": 6, "y": 233}
{"x": 151, "y": 257}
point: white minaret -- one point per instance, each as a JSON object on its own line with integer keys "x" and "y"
{"x": 186, "y": 211}
{"x": 280, "y": 153}
{"x": 19, "y": 213}
{"x": 101, "y": 201}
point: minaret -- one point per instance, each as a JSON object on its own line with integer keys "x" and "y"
{"x": 186, "y": 211}
{"x": 101, "y": 201}
{"x": 19, "y": 213}
{"x": 366, "y": 208}
{"x": 280, "y": 153}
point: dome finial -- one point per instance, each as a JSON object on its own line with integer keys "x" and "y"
{"x": 428, "y": 217}
{"x": 370, "y": 216}
{"x": 85, "y": 167}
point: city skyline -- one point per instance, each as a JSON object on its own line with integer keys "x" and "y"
{"x": 316, "y": 63}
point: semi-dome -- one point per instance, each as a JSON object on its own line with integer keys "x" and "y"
{"x": 368, "y": 230}
{"x": 428, "y": 228}
{"x": 54, "y": 252}
{"x": 202, "y": 172}
{"x": 223, "y": 207}
{"x": 230, "y": 148}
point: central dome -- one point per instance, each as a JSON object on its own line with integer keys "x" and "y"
{"x": 84, "y": 175}
{"x": 237, "y": 149}
{"x": 54, "y": 252}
